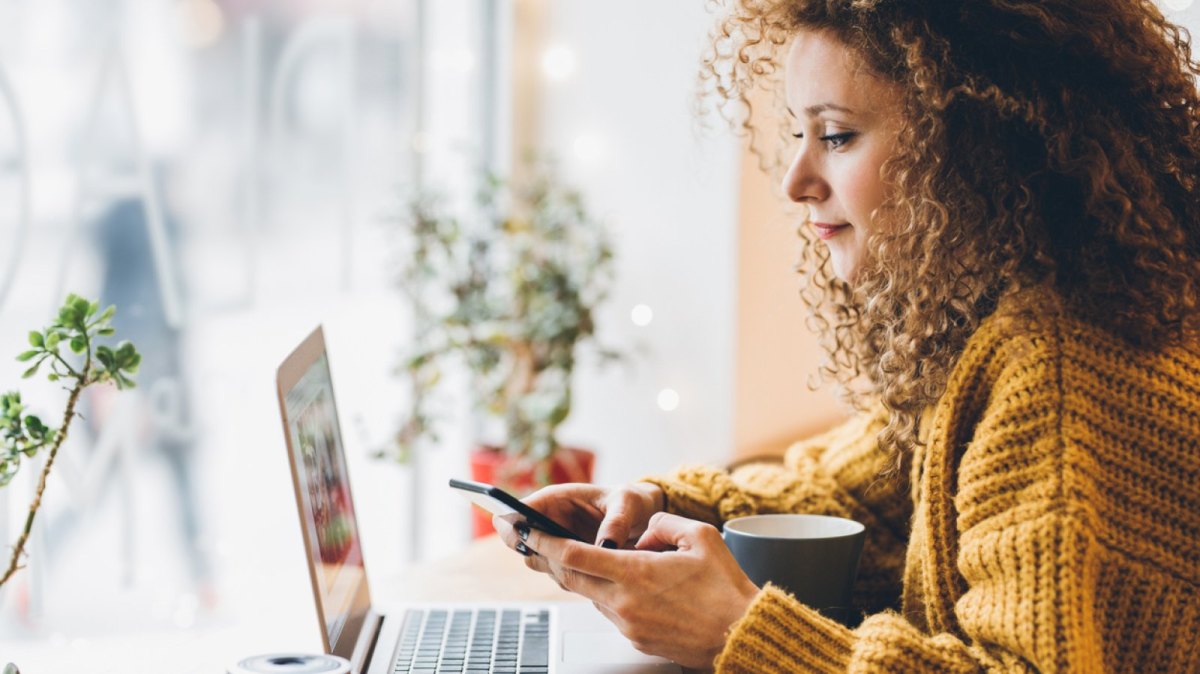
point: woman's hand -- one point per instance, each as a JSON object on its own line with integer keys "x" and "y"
{"x": 675, "y": 595}
{"x": 594, "y": 513}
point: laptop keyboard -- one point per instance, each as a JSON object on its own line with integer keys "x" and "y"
{"x": 474, "y": 641}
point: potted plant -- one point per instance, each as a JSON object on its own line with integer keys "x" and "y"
{"x": 507, "y": 286}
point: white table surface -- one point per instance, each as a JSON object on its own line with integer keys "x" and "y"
{"x": 485, "y": 571}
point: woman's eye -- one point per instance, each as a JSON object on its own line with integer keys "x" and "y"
{"x": 837, "y": 140}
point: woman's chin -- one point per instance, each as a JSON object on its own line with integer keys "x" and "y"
{"x": 844, "y": 270}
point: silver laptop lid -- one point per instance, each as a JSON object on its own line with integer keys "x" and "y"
{"x": 322, "y": 485}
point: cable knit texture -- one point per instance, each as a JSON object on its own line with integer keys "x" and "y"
{"x": 1051, "y": 520}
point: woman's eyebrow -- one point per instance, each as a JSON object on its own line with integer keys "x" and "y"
{"x": 814, "y": 110}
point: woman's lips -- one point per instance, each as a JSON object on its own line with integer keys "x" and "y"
{"x": 827, "y": 230}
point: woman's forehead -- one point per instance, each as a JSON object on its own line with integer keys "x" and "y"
{"x": 821, "y": 70}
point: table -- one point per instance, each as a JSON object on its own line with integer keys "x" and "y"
{"x": 485, "y": 571}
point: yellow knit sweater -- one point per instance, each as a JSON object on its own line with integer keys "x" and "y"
{"x": 1051, "y": 521}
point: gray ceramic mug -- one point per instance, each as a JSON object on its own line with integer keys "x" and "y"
{"x": 814, "y": 557}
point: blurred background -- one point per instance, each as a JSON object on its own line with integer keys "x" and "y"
{"x": 225, "y": 171}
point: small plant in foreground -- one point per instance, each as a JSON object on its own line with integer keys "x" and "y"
{"x": 85, "y": 363}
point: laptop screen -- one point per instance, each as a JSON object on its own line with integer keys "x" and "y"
{"x": 323, "y": 490}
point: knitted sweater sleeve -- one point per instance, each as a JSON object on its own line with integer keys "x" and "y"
{"x": 830, "y": 473}
{"x": 835, "y": 473}
{"x": 1020, "y": 584}
{"x": 1021, "y": 619}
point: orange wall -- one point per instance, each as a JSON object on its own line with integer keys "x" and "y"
{"x": 775, "y": 353}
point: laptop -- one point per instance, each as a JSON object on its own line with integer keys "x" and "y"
{"x": 502, "y": 638}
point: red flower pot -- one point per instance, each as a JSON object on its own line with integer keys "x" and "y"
{"x": 519, "y": 475}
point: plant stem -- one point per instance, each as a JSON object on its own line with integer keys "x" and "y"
{"x": 70, "y": 370}
{"x": 14, "y": 564}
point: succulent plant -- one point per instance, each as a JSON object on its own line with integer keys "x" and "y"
{"x": 79, "y": 325}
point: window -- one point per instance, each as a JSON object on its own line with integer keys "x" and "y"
{"x": 222, "y": 171}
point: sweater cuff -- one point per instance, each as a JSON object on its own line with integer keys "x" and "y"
{"x": 780, "y": 634}
{"x": 703, "y": 493}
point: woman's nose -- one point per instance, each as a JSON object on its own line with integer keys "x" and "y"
{"x": 803, "y": 183}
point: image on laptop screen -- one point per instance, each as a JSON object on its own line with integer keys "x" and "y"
{"x": 324, "y": 491}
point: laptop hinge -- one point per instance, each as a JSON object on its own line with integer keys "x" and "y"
{"x": 368, "y": 637}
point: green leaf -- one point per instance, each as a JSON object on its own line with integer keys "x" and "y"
{"x": 8, "y": 470}
{"x": 107, "y": 315}
{"x": 78, "y": 344}
{"x": 31, "y": 371}
{"x": 36, "y": 338}
{"x": 34, "y": 423}
{"x": 28, "y": 355}
{"x": 93, "y": 307}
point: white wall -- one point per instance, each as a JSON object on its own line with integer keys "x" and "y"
{"x": 624, "y": 126}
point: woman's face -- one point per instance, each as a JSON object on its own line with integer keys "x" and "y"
{"x": 846, "y": 121}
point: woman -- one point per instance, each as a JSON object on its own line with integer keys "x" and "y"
{"x": 1004, "y": 256}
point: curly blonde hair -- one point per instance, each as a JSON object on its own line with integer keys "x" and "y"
{"x": 1044, "y": 142}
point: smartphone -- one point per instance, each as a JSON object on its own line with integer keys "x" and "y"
{"x": 499, "y": 502}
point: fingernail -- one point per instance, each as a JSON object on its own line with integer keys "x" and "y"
{"x": 609, "y": 544}
{"x": 522, "y": 531}
{"x": 524, "y": 550}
